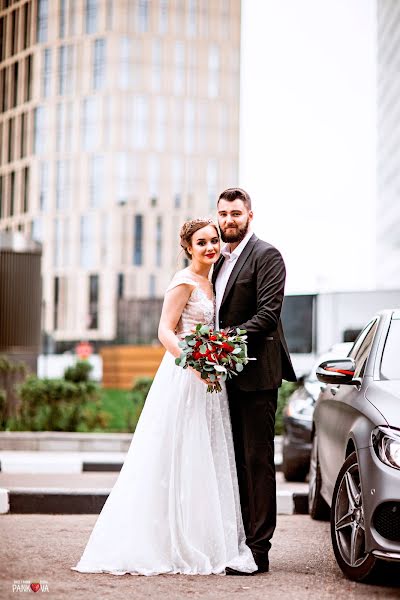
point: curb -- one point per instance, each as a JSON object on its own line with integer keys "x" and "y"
{"x": 63, "y": 501}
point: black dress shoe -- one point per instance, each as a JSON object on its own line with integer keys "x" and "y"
{"x": 229, "y": 571}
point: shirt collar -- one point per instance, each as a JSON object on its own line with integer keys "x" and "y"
{"x": 238, "y": 250}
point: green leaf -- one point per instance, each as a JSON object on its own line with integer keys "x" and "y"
{"x": 239, "y": 367}
{"x": 204, "y": 329}
{"x": 191, "y": 342}
{"x": 237, "y": 351}
{"x": 182, "y": 344}
{"x": 178, "y": 361}
{"x": 220, "y": 368}
{"x": 212, "y": 377}
{"x": 203, "y": 348}
{"x": 204, "y": 375}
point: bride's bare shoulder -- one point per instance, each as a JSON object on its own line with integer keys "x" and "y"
{"x": 183, "y": 277}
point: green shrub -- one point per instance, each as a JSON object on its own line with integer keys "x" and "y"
{"x": 58, "y": 405}
{"x": 284, "y": 392}
{"x": 138, "y": 396}
{"x": 79, "y": 372}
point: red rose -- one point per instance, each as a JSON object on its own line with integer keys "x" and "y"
{"x": 227, "y": 347}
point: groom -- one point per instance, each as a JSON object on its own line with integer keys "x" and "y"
{"x": 249, "y": 280}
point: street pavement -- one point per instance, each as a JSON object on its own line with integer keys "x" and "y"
{"x": 42, "y": 548}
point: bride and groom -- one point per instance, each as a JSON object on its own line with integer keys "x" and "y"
{"x": 197, "y": 491}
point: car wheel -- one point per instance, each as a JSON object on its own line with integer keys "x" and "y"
{"x": 347, "y": 524}
{"x": 317, "y": 507}
{"x": 293, "y": 471}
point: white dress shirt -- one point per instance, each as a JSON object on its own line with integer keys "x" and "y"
{"x": 225, "y": 272}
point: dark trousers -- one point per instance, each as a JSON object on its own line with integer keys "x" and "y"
{"x": 253, "y": 429}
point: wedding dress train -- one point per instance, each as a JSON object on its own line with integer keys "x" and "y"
{"x": 175, "y": 507}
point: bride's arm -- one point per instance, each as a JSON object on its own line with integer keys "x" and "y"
{"x": 174, "y": 302}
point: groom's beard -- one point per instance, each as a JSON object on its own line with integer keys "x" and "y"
{"x": 235, "y": 235}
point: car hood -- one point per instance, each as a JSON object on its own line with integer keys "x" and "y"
{"x": 385, "y": 396}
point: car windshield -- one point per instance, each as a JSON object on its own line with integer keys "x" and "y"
{"x": 390, "y": 364}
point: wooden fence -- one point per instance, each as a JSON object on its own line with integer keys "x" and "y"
{"x": 123, "y": 364}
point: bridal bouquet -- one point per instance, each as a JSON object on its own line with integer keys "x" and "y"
{"x": 216, "y": 355}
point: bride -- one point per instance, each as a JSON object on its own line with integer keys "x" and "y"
{"x": 175, "y": 507}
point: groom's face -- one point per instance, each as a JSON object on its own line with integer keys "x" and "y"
{"x": 234, "y": 219}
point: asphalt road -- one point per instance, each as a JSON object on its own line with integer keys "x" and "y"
{"x": 43, "y": 547}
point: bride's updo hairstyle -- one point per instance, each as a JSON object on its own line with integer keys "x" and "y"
{"x": 189, "y": 228}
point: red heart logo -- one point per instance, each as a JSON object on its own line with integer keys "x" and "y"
{"x": 35, "y": 587}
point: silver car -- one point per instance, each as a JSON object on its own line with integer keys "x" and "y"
{"x": 355, "y": 457}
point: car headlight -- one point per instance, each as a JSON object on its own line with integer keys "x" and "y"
{"x": 301, "y": 408}
{"x": 387, "y": 446}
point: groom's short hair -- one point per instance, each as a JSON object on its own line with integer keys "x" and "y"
{"x": 236, "y": 193}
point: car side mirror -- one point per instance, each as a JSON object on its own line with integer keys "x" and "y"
{"x": 337, "y": 372}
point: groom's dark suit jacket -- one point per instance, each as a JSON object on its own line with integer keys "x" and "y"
{"x": 253, "y": 300}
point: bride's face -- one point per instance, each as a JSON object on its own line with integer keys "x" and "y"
{"x": 205, "y": 247}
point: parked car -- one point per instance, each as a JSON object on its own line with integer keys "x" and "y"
{"x": 297, "y": 420}
{"x": 355, "y": 459}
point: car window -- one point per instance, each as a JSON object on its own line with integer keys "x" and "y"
{"x": 390, "y": 368}
{"x": 362, "y": 347}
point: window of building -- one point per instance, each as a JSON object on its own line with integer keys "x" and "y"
{"x": 23, "y": 134}
{"x": 39, "y": 129}
{"x": 91, "y": 16}
{"x": 152, "y": 286}
{"x": 27, "y": 12}
{"x": 159, "y": 241}
{"x": 189, "y": 126}
{"x": 63, "y": 184}
{"x": 154, "y": 175}
{"x": 156, "y": 68}
{"x": 191, "y": 18}
{"x": 72, "y": 18}
{"x": 3, "y": 90}
{"x": 213, "y": 71}
{"x": 11, "y": 210}
{"x": 120, "y": 285}
{"x": 160, "y": 124}
{"x": 28, "y": 77}
{"x": 212, "y": 180}
{"x": 109, "y": 15}
{"x": 11, "y": 139}
{"x": 143, "y": 16}
{"x": 138, "y": 240}
{"x": 25, "y": 192}
{"x": 63, "y": 18}
{"x": 125, "y": 176}
{"x": 177, "y": 180}
{"x": 56, "y": 301}
{"x": 163, "y": 17}
{"x": 96, "y": 180}
{"x": 42, "y": 21}
{"x": 141, "y": 115}
{"x": 60, "y": 303}
{"x": 65, "y": 69}
{"x": 3, "y": 38}
{"x": 37, "y": 229}
{"x": 14, "y": 84}
{"x": 44, "y": 186}
{"x": 99, "y": 64}
{"x": 46, "y": 72}
{"x": 14, "y": 31}
{"x": 1, "y": 197}
{"x": 125, "y": 66}
{"x": 179, "y": 77}
{"x": 90, "y": 123}
{"x": 58, "y": 242}
{"x": 87, "y": 241}
{"x": 93, "y": 302}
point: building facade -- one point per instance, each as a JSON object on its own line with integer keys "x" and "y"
{"x": 119, "y": 120}
{"x": 388, "y": 171}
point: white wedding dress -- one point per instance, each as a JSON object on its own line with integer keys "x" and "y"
{"x": 175, "y": 506}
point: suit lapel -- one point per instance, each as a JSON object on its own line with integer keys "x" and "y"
{"x": 238, "y": 266}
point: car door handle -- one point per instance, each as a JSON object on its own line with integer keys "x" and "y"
{"x": 334, "y": 391}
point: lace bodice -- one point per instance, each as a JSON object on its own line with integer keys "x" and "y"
{"x": 199, "y": 308}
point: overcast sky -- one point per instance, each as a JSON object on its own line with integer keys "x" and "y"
{"x": 308, "y": 138}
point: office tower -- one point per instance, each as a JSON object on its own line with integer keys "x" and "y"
{"x": 119, "y": 120}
